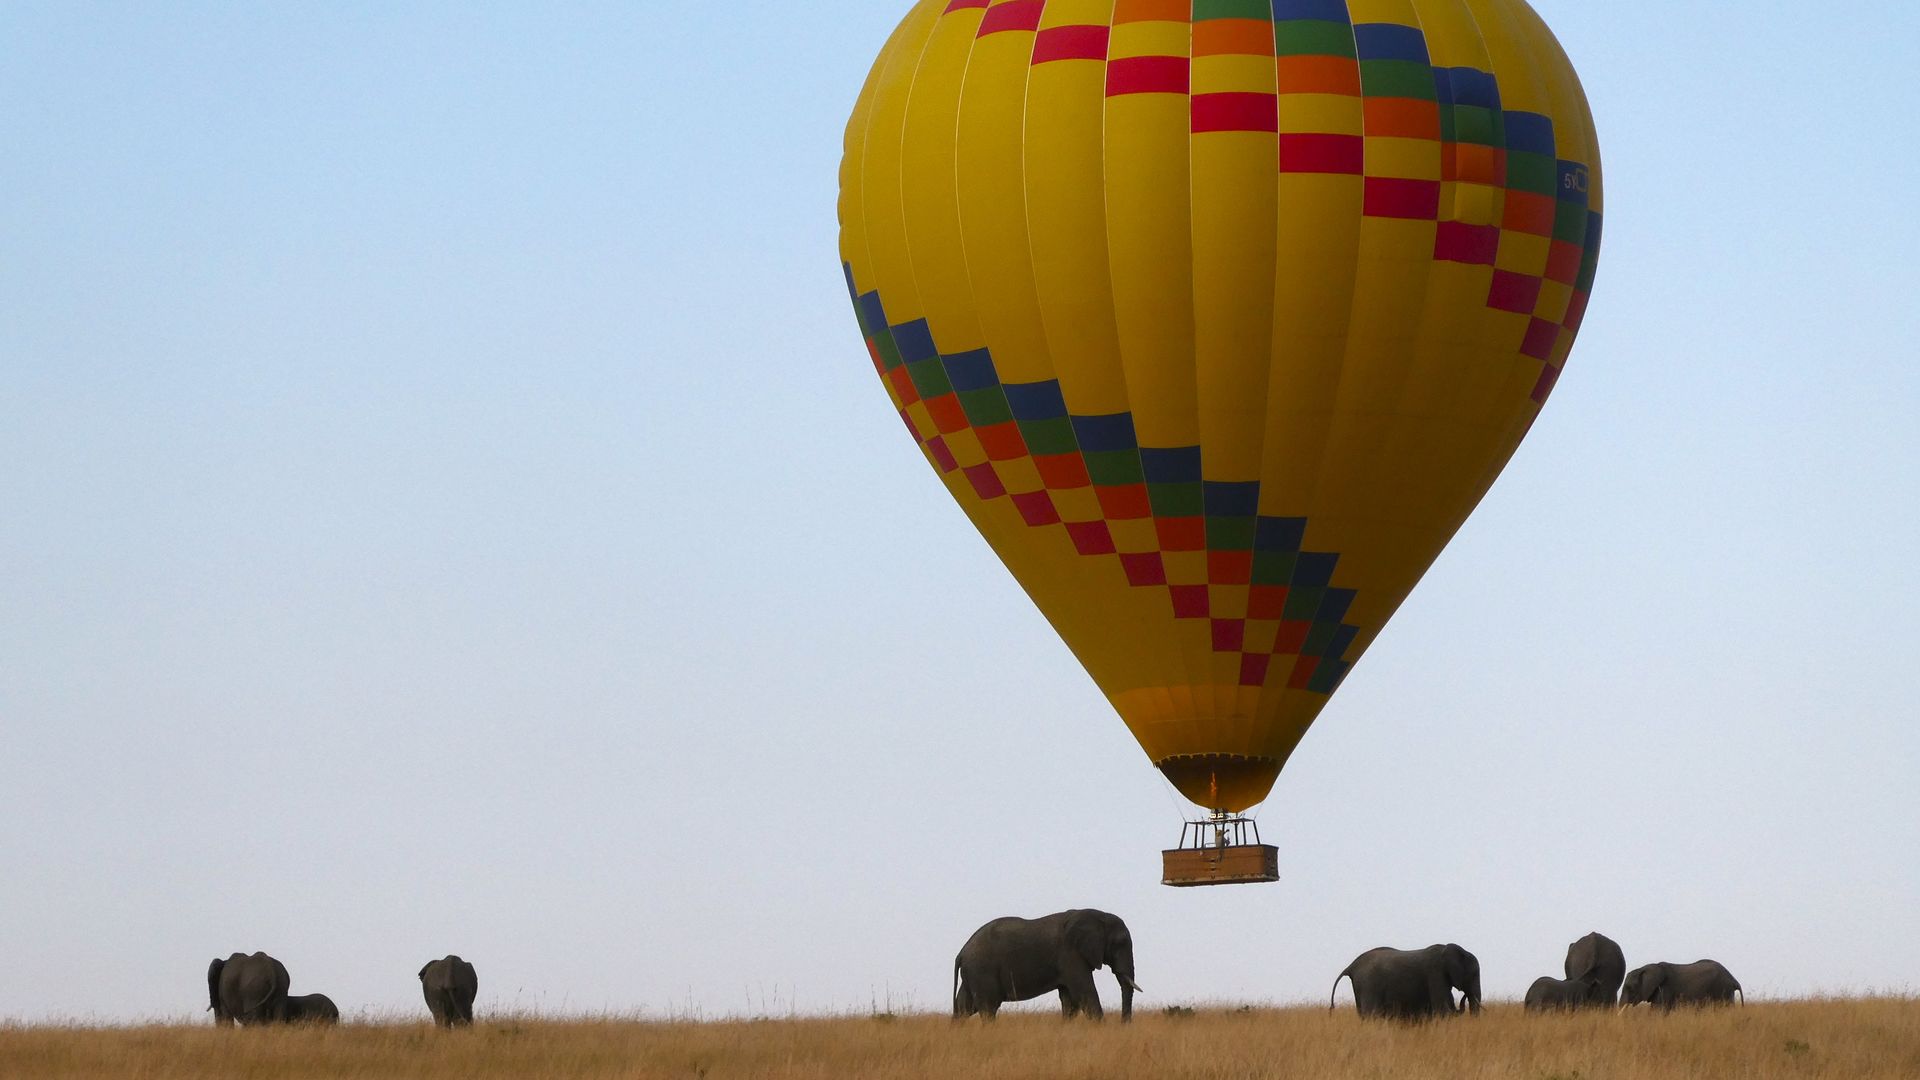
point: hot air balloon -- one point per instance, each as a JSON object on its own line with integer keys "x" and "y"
{"x": 1218, "y": 318}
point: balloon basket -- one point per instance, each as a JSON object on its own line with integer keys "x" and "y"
{"x": 1221, "y": 850}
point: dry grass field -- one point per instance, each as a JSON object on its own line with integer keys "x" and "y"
{"x": 1867, "y": 1039}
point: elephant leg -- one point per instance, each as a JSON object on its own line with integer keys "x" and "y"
{"x": 1068, "y": 1009}
{"x": 1079, "y": 986}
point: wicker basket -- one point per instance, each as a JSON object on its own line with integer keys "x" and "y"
{"x": 1241, "y": 864}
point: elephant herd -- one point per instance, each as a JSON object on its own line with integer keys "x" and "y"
{"x": 1414, "y": 984}
{"x": 251, "y": 990}
{"x": 1014, "y": 959}
{"x": 1597, "y": 975}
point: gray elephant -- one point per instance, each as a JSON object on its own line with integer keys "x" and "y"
{"x": 1013, "y": 959}
{"x": 310, "y": 1009}
{"x": 1600, "y": 956}
{"x": 1548, "y": 993}
{"x": 1703, "y": 982}
{"x": 247, "y": 989}
{"x": 1412, "y": 984}
{"x": 450, "y": 984}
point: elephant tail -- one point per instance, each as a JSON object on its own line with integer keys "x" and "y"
{"x": 255, "y": 1010}
{"x": 213, "y": 988}
{"x": 1347, "y": 974}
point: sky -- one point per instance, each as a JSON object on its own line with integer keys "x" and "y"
{"x": 445, "y": 506}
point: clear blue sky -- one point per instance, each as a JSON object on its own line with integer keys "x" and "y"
{"x": 445, "y": 506}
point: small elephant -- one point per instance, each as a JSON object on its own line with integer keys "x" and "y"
{"x": 1703, "y": 982}
{"x": 449, "y": 985}
{"x": 247, "y": 989}
{"x": 1014, "y": 959}
{"x": 1548, "y": 993}
{"x": 310, "y": 1009}
{"x": 1412, "y": 984}
{"x": 1600, "y": 956}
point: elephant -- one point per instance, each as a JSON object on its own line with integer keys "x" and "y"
{"x": 310, "y": 1009}
{"x": 1412, "y": 984}
{"x": 247, "y": 989}
{"x": 1548, "y": 992}
{"x": 1014, "y": 959}
{"x": 1598, "y": 955}
{"x": 450, "y": 984}
{"x": 1703, "y": 982}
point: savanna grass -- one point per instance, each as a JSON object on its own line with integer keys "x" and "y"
{"x": 1863, "y": 1039}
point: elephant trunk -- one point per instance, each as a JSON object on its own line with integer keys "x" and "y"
{"x": 1128, "y": 988}
{"x": 1123, "y": 972}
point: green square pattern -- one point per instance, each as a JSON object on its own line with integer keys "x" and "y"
{"x": 1473, "y": 124}
{"x": 930, "y": 377}
{"x": 1112, "y": 468}
{"x": 1397, "y": 78}
{"x": 1303, "y": 602}
{"x": 1230, "y": 534}
{"x": 889, "y": 352}
{"x": 1273, "y": 567}
{"x": 1312, "y": 37}
{"x": 986, "y": 407}
{"x": 1570, "y": 223}
{"x": 1053, "y": 436}
{"x": 1177, "y": 500}
{"x": 1232, "y": 9}
{"x": 1537, "y": 173}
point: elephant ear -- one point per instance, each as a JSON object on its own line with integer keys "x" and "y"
{"x": 1088, "y": 938}
{"x": 423, "y": 969}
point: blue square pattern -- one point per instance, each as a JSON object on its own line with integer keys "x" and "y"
{"x": 1529, "y": 132}
{"x": 1390, "y": 41}
{"x": 1232, "y": 500}
{"x": 1036, "y": 401}
{"x": 972, "y": 370}
{"x": 1323, "y": 10}
{"x": 915, "y": 341}
{"x": 1104, "y": 433}
{"x": 1174, "y": 465}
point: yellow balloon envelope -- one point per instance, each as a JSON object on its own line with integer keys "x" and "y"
{"x": 1218, "y": 317}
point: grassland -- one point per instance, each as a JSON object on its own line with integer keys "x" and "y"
{"x": 1867, "y": 1039}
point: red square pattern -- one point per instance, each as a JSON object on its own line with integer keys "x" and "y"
{"x": 1189, "y": 601}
